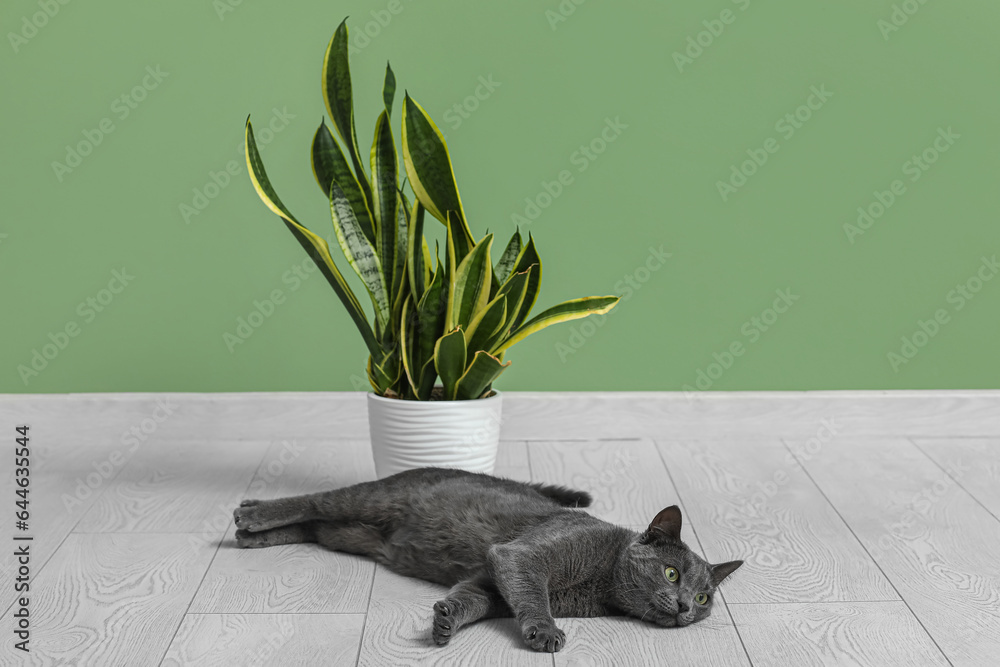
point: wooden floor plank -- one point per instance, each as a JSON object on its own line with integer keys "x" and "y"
{"x": 751, "y": 500}
{"x": 110, "y": 600}
{"x": 934, "y": 542}
{"x": 622, "y": 640}
{"x": 293, "y": 578}
{"x": 512, "y": 460}
{"x": 175, "y": 488}
{"x": 835, "y": 634}
{"x": 974, "y": 463}
{"x": 626, "y": 477}
{"x": 266, "y": 640}
{"x": 398, "y": 631}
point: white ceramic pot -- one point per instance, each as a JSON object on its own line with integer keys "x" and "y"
{"x": 444, "y": 434}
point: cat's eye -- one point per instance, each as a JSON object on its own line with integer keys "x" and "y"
{"x": 701, "y": 598}
{"x": 671, "y": 574}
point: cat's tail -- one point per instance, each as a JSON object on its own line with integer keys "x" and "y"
{"x": 564, "y": 496}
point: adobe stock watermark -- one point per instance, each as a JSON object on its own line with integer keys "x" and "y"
{"x": 751, "y": 331}
{"x": 223, "y": 7}
{"x": 131, "y": 439}
{"x": 122, "y": 107}
{"x": 956, "y": 299}
{"x": 562, "y": 12}
{"x": 696, "y": 44}
{"x": 581, "y": 158}
{"x": 264, "y": 309}
{"x": 219, "y": 180}
{"x": 917, "y": 508}
{"x": 627, "y": 287}
{"x": 380, "y": 20}
{"x": 596, "y": 485}
{"x": 786, "y": 127}
{"x": 267, "y": 474}
{"x": 898, "y": 17}
{"x": 31, "y": 24}
{"x": 766, "y": 490}
{"x": 461, "y": 111}
{"x": 914, "y": 168}
{"x": 87, "y": 310}
{"x": 754, "y": 508}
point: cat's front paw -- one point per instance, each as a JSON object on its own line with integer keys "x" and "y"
{"x": 544, "y": 637}
{"x": 444, "y": 623}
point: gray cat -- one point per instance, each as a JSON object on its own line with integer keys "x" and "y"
{"x": 505, "y": 548}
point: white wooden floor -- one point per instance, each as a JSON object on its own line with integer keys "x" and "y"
{"x": 868, "y": 523}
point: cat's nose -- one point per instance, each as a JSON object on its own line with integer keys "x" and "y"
{"x": 682, "y": 607}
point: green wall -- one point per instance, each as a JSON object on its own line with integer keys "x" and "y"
{"x": 740, "y": 247}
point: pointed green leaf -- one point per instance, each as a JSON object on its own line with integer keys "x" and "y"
{"x": 329, "y": 165}
{"x": 384, "y": 374}
{"x": 430, "y": 318}
{"x": 401, "y": 295}
{"x": 359, "y": 252}
{"x": 339, "y": 99}
{"x": 449, "y": 360}
{"x": 526, "y": 258}
{"x": 425, "y": 385}
{"x": 406, "y": 323}
{"x": 428, "y": 165}
{"x": 389, "y": 89}
{"x": 508, "y": 260}
{"x": 481, "y": 373}
{"x": 515, "y": 290}
{"x": 459, "y": 232}
{"x": 312, "y": 243}
{"x": 415, "y": 246}
{"x": 470, "y": 289}
{"x": 564, "y": 312}
{"x": 385, "y": 201}
{"x": 427, "y": 260}
{"x": 486, "y": 323}
{"x": 402, "y": 238}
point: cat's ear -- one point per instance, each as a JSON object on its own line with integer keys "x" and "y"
{"x": 668, "y": 522}
{"x": 723, "y": 570}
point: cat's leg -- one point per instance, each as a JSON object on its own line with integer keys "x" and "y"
{"x": 294, "y": 534}
{"x": 354, "y": 538}
{"x": 369, "y": 502}
{"x": 260, "y": 515}
{"x": 521, "y": 578}
{"x": 467, "y": 602}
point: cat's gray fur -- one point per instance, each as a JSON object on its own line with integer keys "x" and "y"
{"x": 505, "y": 548}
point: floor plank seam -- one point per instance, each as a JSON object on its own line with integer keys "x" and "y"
{"x": 204, "y": 574}
{"x": 958, "y": 483}
{"x": 659, "y": 452}
{"x": 364, "y": 623}
{"x": 861, "y": 544}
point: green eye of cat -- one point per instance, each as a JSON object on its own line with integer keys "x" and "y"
{"x": 672, "y": 574}
{"x": 701, "y": 598}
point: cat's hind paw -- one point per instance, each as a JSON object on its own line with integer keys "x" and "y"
{"x": 247, "y": 540}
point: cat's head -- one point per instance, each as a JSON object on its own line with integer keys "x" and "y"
{"x": 659, "y": 579}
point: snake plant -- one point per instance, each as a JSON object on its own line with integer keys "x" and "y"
{"x": 449, "y": 322}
